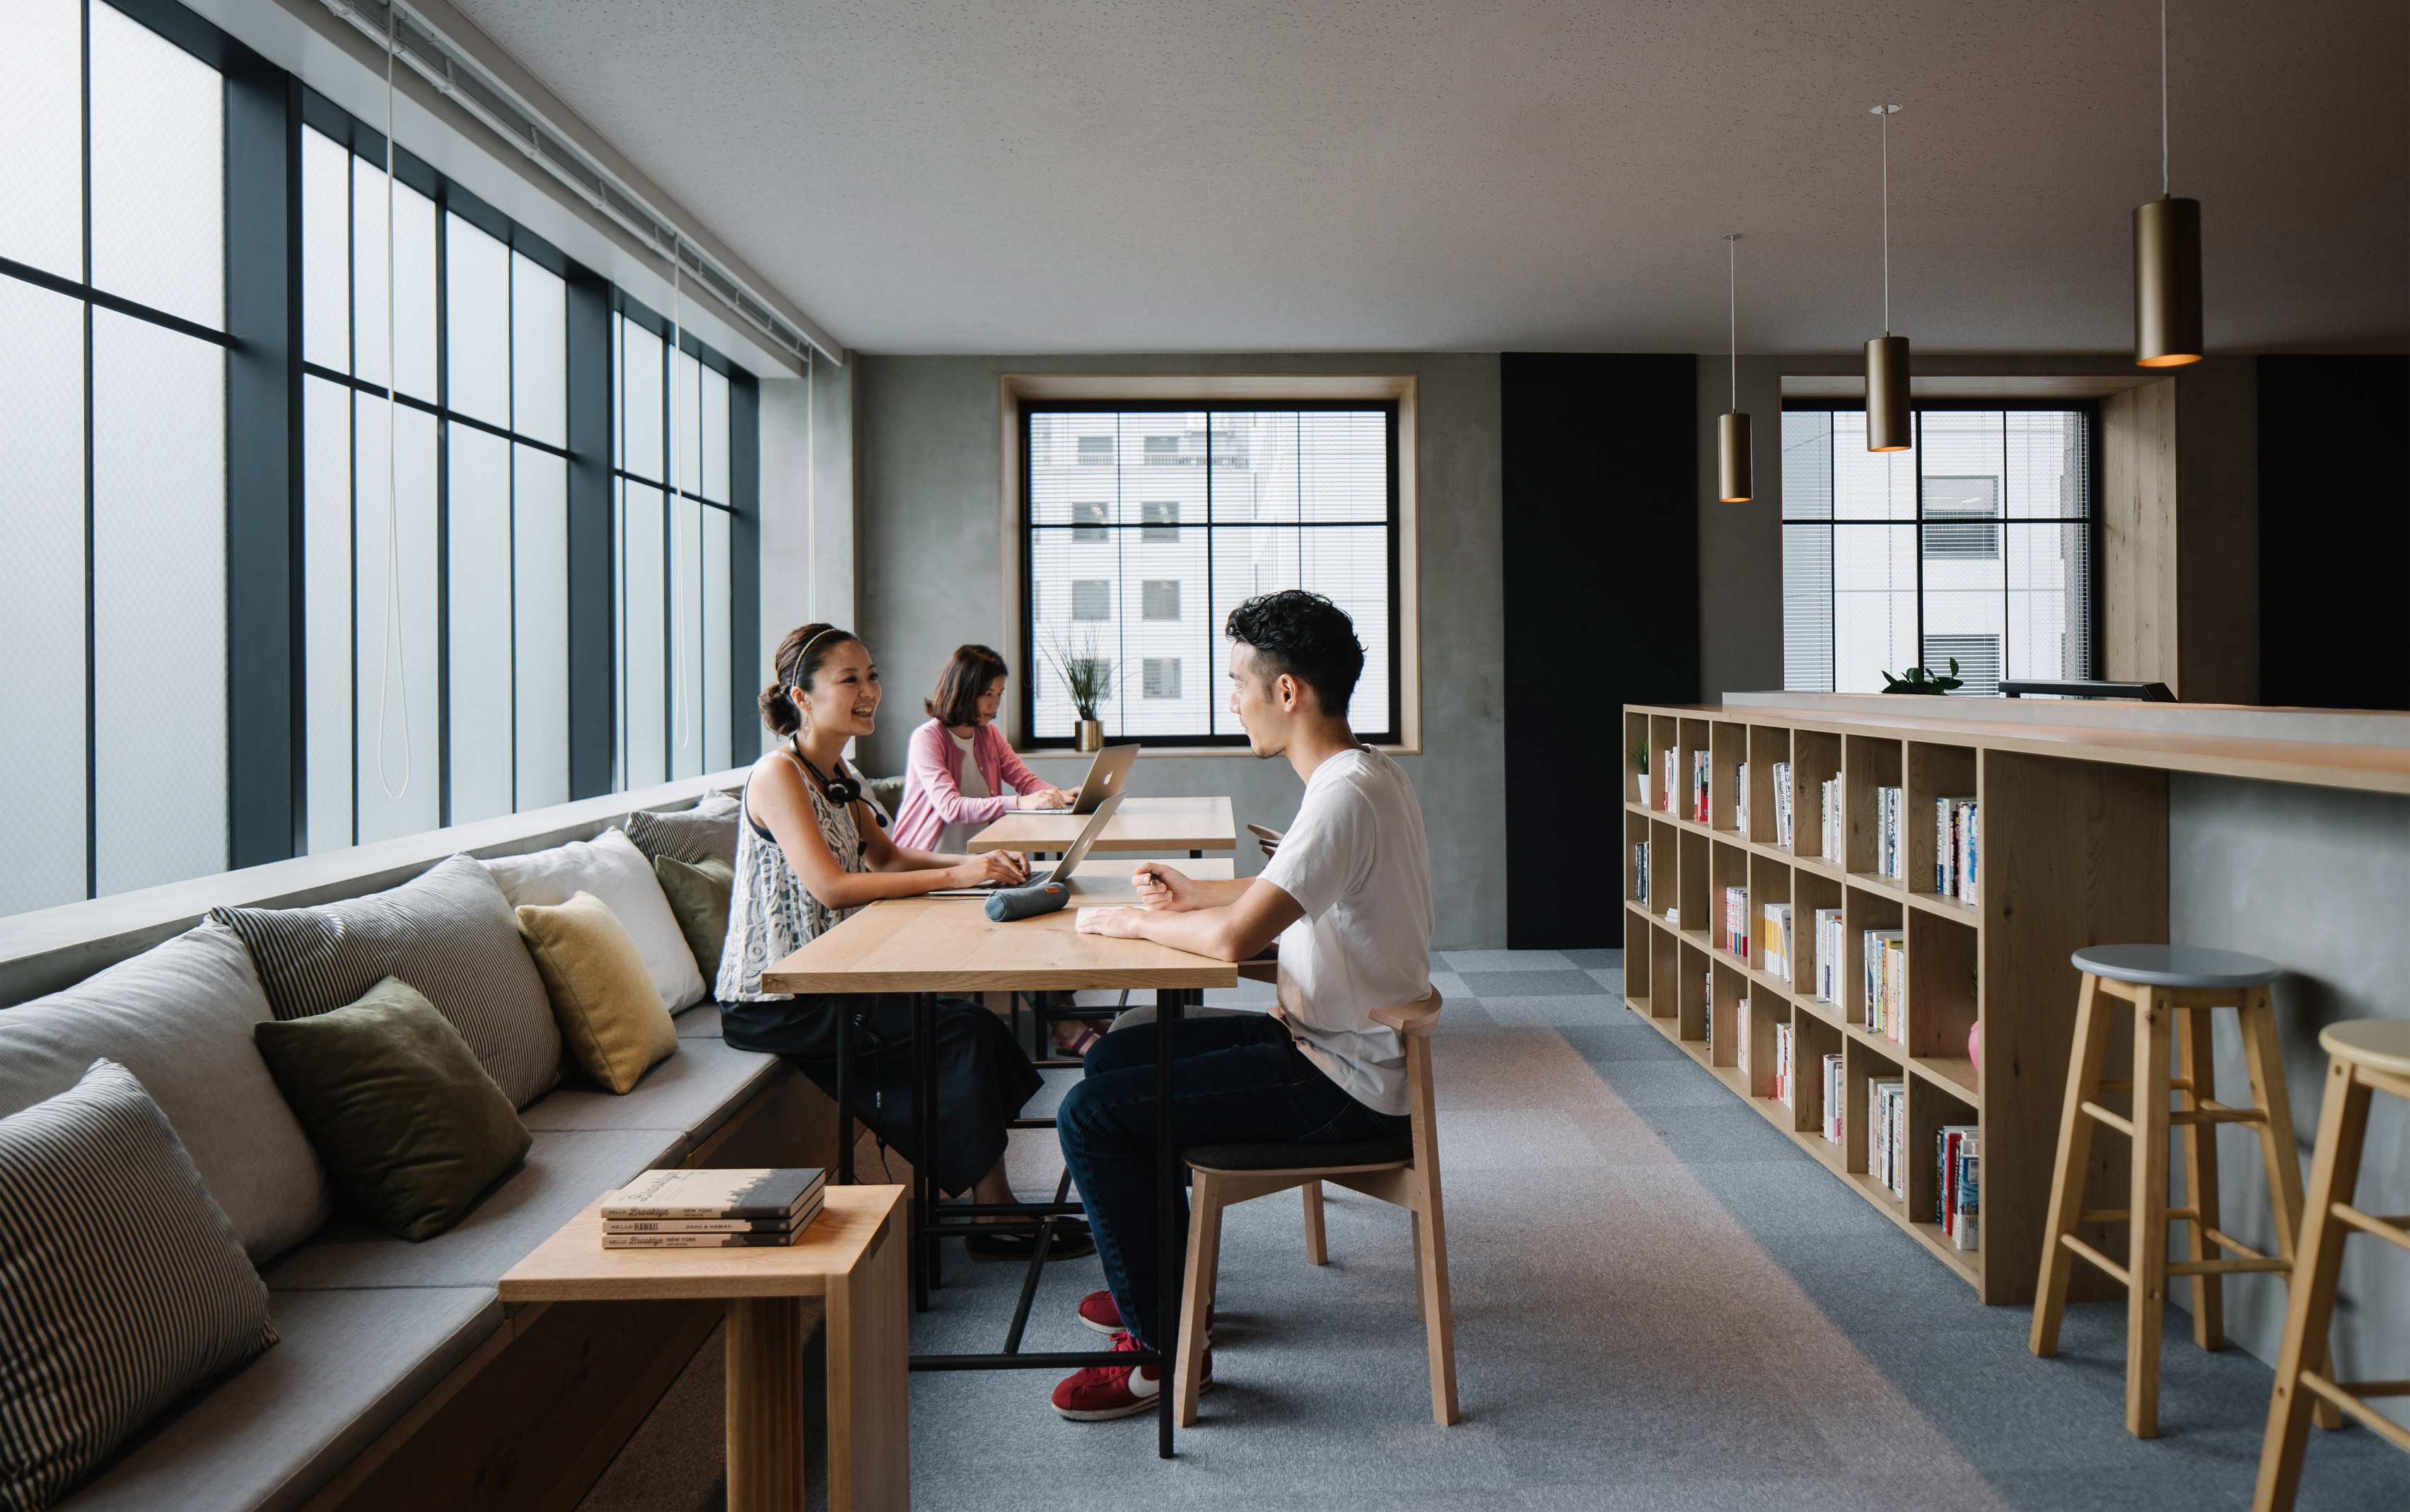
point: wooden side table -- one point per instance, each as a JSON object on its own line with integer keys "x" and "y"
{"x": 853, "y": 1257}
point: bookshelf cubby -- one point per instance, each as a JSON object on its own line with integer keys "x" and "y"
{"x": 2071, "y": 852}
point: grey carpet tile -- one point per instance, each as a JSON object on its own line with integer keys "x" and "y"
{"x": 1557, "y": 1012}
{"x": 1621, "y": 1035}
{"x": 1610, "y": 978}
{"x": 1595, "y": 960}
{"x": 1460, "y": 961}
{"x": 1533, "y": 983}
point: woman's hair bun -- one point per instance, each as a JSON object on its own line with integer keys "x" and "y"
{"x": 778, "y": 711}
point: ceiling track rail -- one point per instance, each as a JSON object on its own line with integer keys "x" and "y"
{"x": 458, "y": 79}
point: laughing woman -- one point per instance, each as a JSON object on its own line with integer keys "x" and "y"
{"x": 814, "y": 848}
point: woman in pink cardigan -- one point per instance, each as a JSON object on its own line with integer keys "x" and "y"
{"x": 960, "y": 775}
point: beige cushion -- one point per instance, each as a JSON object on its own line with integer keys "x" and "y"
{"x": 698, "y": 893}
{"x": 614, "y": 870}
{"x": 610, "y": 1016}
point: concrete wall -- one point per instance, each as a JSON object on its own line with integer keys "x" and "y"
{"x": 2316, "y": 879}
{"x": 930, "y": 565}
{"x": 807, "y": 502}
{"x": 1740, "y": 546}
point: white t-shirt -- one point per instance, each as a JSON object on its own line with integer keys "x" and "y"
{"x": 1357, "y": 862}
{"x": 956, "y": 841}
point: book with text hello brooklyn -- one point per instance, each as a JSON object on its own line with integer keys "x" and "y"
{"x": 713, "y": 1209}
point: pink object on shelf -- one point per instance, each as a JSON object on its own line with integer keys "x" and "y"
{"x": 1975, "y": 1044}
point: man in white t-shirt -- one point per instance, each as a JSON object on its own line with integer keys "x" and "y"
{"x": 1346, "y": 894}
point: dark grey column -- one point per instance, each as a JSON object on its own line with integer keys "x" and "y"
{"x": 743, "y": 566}
{"x": 590, "y": 642}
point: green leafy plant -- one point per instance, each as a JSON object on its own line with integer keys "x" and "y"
{"x": 1639, "y": 755}
{"x": 1085, "y": 676}
{"x": 1922, "y": 680}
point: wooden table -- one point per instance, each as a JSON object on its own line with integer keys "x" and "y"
{"x": 928, "y": 946}
{"x": 1103, "y": 884}
{"x": 852, "y": 1256}
{"x": 1194, "y": 825}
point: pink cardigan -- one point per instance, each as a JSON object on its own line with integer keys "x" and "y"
{"x": 932, "y": 792}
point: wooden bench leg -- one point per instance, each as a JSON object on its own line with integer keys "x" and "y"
{"x": 2092, "y": 1015}
{"x": 2309, "y": 1311}
{"x": 2146, "y": 1260}
{"x": 1317, "y": 1248}
{"x": 1197, "y": 1301}
{"x": 2197, "y": 1065}
{"x": 1415, "y": 1224}
{"x": 1431, "y": 1293}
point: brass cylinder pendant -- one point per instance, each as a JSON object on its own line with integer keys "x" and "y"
{"x": 1888, "y": 427}
{"x": 1732, "y": 436}
{"x": 2167, "y": 283}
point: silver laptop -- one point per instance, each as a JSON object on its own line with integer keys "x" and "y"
{"x": 1062, "y": 869}
{"x": 1107, "y": 777}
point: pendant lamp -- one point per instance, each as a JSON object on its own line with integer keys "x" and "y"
{"x": 2167, "y": 258}
{"x": 1731, "y": 431}
{"x": 1887, "y": 420}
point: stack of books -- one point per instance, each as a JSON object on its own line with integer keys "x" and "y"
{"x": 1828, "y": 802}
{"x": 1774, "y": 940}
{"x": 1736, "y": 921}
{"x": 1834, "y": 1090}
{"x": 1828, "y": 954}
{"x": 713, "y": 1209}
{"x": 1783, "y": 1064}
{"x": 1958, "y": 1195}
{"x": 1953, "y": 849}
{"x": 1887, "y": 1135}
{"x": 1889, "y": 850}
{"x": 1640, "y": 873}
{"x": 1781, "y": 771}
{"x": 1699, "y": 769}
{"x": 1665, "y": 779}
{"x": 1885, "y": 958}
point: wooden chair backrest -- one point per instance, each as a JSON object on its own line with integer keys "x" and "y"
{"x": 1417, "y": 1018}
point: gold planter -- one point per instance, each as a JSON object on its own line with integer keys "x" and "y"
{"x": 1092, "y": 734}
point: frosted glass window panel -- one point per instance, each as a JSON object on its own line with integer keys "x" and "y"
{"x": 1806, "y": 603}
{"x": 686, "y": 423}
{"x": 1874, "y": 605}
{"x": 41, "y": 596}
{"x": 1966, "y": 604}
{"x": 414, "y": 287}
{"x": 2050, "y": 590}
{"x": 41, "y": 155}
{"x": 539, "y": 352}
{"x": 398, "y": 675}
{"x": 477, "y": 314}
{"x": 539, "y": 617}
{"x": 368, "y": 271}
{"x": 1060, "y": 562}
{"x": 644, "y": 654}
{"x": 1342, "y": 465}
{"x": 1876, "y": 486}
{"x": 159, "y": 651}
{"x": 158, "y": 171}
{"x": 1350, "y": 567}
{"x": 1072, "y": 475}
{"x": 328, "y": 653}
{"x": 1808, "y": 464}
{"x": 714, "y": 436}
{"x": 1259, "y": 470}
{"x": 1160, "y": 579}
{"x": 325, "y": 251}
{"x": 719, "y": 708}
{"x": 640, "y": 400}
{"x": 2049, "y": 465}
{"x": 686, "y": 638}
{"x": 478, "y": 542}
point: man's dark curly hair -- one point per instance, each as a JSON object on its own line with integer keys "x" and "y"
{"x": 1307, "y": 636}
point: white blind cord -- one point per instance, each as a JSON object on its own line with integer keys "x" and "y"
{"x": 390, "y": 660}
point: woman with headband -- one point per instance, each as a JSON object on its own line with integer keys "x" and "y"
{"x": 812, "y": 848}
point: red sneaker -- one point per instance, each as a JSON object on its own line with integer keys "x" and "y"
{"x": 1106, "y": 1391}
{"x": 1099, "y": 1311}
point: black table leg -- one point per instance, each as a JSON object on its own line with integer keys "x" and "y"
{"x": 844, "y": 1093}
{"x": 1170, "y": 1263}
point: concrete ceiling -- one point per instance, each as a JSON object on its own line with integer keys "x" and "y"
{"x": 1138, "y": 175}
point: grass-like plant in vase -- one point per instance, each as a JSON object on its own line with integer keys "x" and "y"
{"x": 1087, "y": 679}
{"x": 1923, "y": 680}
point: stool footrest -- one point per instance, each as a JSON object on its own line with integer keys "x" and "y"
{"x": 2119, "y": 1122}
{"x": 2175, "y": 1083}
{"x": 2257, "y": 1267}
{"x": 2117, "y": 1272}
{"x": 2228, "y": 1242}
{"x": 2376, "y": 1422}
{"x": 2395, "y": 1229}
{"x": 2214, "y": 1112}
{"x": 2375, "y": 1389}
{"x": 2125, "y": 1215}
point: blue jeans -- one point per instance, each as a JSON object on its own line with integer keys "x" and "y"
{"x": 1234, "y": 1081}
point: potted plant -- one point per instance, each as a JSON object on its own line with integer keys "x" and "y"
{"x": 1921, "y": 680}
{"x": 1088, "y": 679}
{"x": 1640, "y": 754}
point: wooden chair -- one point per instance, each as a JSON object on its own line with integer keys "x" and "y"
{"x": 2172, "y": 989}
{"x": 1403, "y": 1170}
{"x": 2367, "y": 1056}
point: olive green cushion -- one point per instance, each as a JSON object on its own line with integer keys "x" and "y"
{"x": 408, "y": 1124}
{"x": 698, "y": 894}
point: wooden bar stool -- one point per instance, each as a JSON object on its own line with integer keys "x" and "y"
{"x": 2367, "y": 1056}
{"x": 2172, "y": 989}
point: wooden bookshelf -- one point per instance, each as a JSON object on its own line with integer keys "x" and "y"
{"x": 2071, "y": 852}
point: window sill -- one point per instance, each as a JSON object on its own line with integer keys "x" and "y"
{"x": 1147, "y": 751}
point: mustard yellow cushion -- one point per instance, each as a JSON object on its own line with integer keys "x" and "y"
{"x": 610, "y": 1012}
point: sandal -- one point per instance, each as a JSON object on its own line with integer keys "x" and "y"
{"x": 1080, "y": 1046}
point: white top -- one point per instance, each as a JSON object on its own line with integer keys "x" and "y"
{"x": 956, "y": 841}
{"x": 1357, "y": 861}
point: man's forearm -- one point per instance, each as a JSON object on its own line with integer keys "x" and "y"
{"x": 1215, "y": 894}
{"x": 1210, "y": 932}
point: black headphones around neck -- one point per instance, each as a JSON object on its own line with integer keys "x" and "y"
{"x": 841, "y": 790}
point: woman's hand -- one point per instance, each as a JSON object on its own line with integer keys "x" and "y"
{"x": 1004, "y": 868}
{"x": 1050, "y": 798}
{"x": 1163, "y": 888}
{"x": 1118, "y": 923}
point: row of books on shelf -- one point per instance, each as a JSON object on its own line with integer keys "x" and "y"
{"x": 1883, "y": 954}
{"x": 1956, "y": 864}
{"x": 1887, "y": 1136}
{"x": 1640, "y": 872}
{"x": 1955, "y": 848}
{"x": 1828, "y": 802}
{"x": 1960, "y": 1199}
{"x": 1745, "y": 1053}
{"x": 1694, "y": 794}
{"x": 1781, "y": 773}
{"x": 1890, "y": 846}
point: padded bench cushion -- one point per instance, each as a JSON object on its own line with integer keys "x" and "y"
{"x": 1394, "y": 1150}
{"x": 349, "y": 1363}
{"x": 692, "y": 1092}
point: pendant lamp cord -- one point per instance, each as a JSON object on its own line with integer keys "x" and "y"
{"x": 1731, "y": 309}
{"x": 1885, "y": 111}
{"x": 2163, "y": 99}
{"x": 391, "y": 660}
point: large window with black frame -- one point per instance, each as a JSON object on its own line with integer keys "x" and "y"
{"x": 1979, "y": 543}
{"x": 1145, "y": 525}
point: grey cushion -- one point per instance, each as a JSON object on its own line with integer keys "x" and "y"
{"x": 564, "y": 1171}
{"x": 268, "y": 1436}
{"x": 179, "y": 1017}
{"x": 707, "y": 829}
{"x": 700, "y": 1022}
{"x": 449, "y": 932}
{"x": 1300, "y": 1156}
{"x": 122, "y": 1285}
{"x": 692, "y": 1092}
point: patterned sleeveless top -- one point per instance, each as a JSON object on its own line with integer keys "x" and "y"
{"x": 771, "y": 913}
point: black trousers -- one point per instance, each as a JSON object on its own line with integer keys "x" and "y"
{"x": 982, "y": 1077}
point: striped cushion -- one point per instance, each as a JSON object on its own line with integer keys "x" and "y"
{"x": 120, "y": 1282}
{"x": 450, "y": 933}
{"x": 689, "y": 835}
